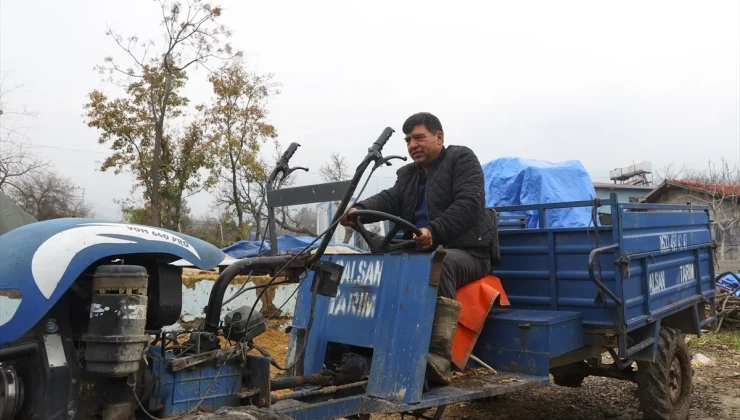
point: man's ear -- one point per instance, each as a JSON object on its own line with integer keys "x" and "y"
{"x": 440, "y": 138}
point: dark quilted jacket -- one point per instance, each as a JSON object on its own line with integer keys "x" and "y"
{"x": 455, "y": 200}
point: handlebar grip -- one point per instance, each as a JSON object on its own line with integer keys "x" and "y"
{"x": 290, "y": 152}
{"x": 383, "y": 139}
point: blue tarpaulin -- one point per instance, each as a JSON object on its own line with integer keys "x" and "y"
{"x": 517, "y": 181}
{"x": 729, "y": 283}
{"x": 286, "y": 245}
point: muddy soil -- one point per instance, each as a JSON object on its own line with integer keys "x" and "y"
{"x": 716, "y": 396}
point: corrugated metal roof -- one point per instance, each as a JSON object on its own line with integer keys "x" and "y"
{"x": 725, "y": 189}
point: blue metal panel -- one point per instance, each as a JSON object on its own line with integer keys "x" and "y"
{"x": 524, "y": 341}
{"x": 512, "y": 222}
{"x": 663, "y": 231}
{"x": 552, "y": 274}
{"x": 178, "y": 393}
{"x": 385, "y": 303}
{"x": 670, "y": 260}
{"x": 655, "y": 259}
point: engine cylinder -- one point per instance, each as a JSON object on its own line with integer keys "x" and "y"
{"x": 116, "y": 338}
{"x": 11, "y": 393}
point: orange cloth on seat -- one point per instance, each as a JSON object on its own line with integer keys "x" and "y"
{"x": 477, "y": 299}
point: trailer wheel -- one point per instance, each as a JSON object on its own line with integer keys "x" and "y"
{"x": 664, "y": 386}
{"x": 571, "y": 380}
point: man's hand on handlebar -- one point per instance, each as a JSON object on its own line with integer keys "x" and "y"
{"x": 344, "y": 221}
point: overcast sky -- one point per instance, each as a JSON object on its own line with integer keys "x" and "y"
{"x": 606, "y": 83}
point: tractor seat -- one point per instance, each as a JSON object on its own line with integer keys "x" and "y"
{"x": 477, "y": 299}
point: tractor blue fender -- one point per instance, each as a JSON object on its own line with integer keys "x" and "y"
{"x": 40, "y": 261}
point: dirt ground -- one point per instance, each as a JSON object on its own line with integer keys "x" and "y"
{"x": 716, "y": 389}
{"x": 716, "y": 396}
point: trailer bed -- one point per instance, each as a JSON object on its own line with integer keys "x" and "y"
{"x": 652, "y": 266}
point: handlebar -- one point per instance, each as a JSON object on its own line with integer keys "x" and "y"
{"x": 289, "y": 153}
{"x": 382, "y": 140}
{"x": 373, "y": 156}
{"x": 282, "y": 165}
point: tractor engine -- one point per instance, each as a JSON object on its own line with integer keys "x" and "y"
{"x": 116, "y": 338}
{"x": 114, "y": 343}
{"x": 102, "y": 354}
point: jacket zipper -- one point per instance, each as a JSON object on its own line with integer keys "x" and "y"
{"x": 416, "y": 201}
{"x": 426, "y": 200}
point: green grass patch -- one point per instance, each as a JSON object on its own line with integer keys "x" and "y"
{"x": 731, "y": 339}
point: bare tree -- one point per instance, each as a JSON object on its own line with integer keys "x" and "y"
{"x": 335, "y": 170}
{"x": 717, "y": 187}
{"x": 17, "y": 161}
{"x": 47, "y": 195}
{"x": 251, "y": 192}
{"x": 192, "y": 37}
{"x": 16, "y": 157}
{"x": 673, "y": 171}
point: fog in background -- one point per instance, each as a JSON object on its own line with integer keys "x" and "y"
{"x": 608, "y": 84}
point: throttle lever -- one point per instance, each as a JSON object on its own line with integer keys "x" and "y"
{"x": 290, "y": 170}
{"x": 386, "y": 160}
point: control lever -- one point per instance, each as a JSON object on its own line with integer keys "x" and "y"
{"x": 290, "y": 170}
{"x": 386, "y": 160}
{"x": 282, "y": 165}
{"x": 286, "y": 171}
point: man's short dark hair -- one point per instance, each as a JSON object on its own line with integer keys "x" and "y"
{"x": 422, "y": 118}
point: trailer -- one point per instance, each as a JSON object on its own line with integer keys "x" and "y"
{"x": 85, "y": 336}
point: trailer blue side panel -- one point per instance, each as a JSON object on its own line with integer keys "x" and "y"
{"x": 547, "y": 269}
{"x": 671, "y": 261}
{"x": 658, "y": 261}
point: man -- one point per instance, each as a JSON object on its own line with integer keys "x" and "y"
{"x": 442, "y": 194}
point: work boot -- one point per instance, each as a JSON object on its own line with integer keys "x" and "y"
{"x": 439, "y": 363}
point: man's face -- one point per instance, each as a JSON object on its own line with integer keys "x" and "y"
{"x": 423, "y": 146}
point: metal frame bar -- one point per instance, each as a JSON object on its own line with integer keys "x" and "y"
{"x": 612, "y": 201}
{"x": 552, "y": 206}
{"x": 307, "y": 194}
{"x": 597, "y": 281}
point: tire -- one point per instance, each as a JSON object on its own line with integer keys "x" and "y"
{"x": 664, "y": 387}
{"x": 570, "y": 380}
{"x": 569, "y": 375}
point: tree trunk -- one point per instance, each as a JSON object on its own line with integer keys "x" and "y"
{"x": 178, "y": 210}
{"x": 237, "y": 204}
{"x": 158, "y": 135}
{"x": 159, "y": 128}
